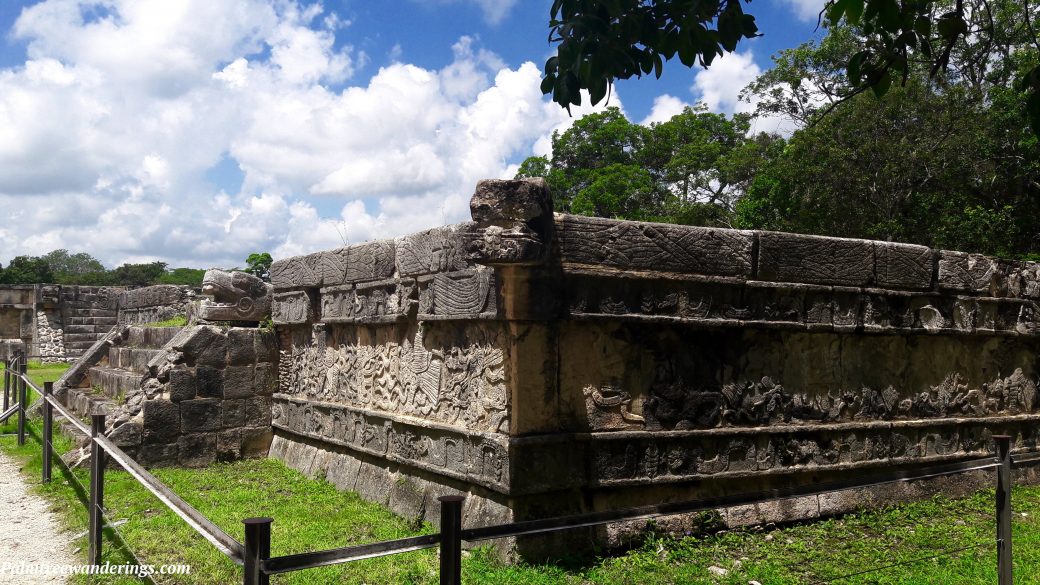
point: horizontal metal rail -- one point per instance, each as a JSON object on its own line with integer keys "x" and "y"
{"x": 1024, "y": 459}
{"x": 9, "y": 412}
{"x": 58, "y": 406}
{"x": 312, "y": 560}
{"x": 195, "y": 519}
{"x": 653, "y": 511}
{"x": 204, "y": 526}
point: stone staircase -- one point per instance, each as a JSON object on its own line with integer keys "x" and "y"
{"x": 88, "y": 314}
{"x": 119, "y": 374}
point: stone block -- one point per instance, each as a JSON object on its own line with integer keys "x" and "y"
{"x": 162, "y": 421}
{"x": 658, "y": 247}
{"x": 127, "y": 435}
{"x": 266, "y": 345}
{"x": 465, "y": 294}
{"x": 194, "y": 339}
{"x": 815, "y": 259}
{"x": 505, "y": 203}
{"x": 297, "y": 272}
{"x": 265, "y": 379}
{"x": 197, "y": 449}
{"x": 215, "y": 354}
{"x": 959, "y": 271}
{"x": 408, "y": 496}
{"x": 199, "y": 415}
{"x": 158, "y": 455}
{"x": 374, "y": 481}
{"x": 292, "y": 308}
{"x": 342, "y": 471}
{"x": 182, "y": 385}
{"x": 256, "y": 441}
{"x": 241, "y": 347}
{"x": 209, "y": 382}
{"x": 904, "y": 265}
{"x": 441, "y": 249}
{"x": 358, "y": 263}
{"x": 238, "y": 382}
{"x": 232, "y": 414}
{"x": 258, "y": 411}
{"x": 229, "y": 445}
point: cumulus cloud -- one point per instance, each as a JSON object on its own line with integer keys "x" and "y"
{"x": 109, "y": 130}
{"x": 664, "y": 108}
{"x": 808, "y": 10}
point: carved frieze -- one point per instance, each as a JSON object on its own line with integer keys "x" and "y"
{"x": 461, "y": 384}
{"x": 672, "y": 404}
{"x": 478, "y": 458}
{"x": 652, "y": 246}
{"x": 292, "y": 308}
{"x": 438, "y": 250}
{"x": 467, "y": 294}
{"x": 374, "y": 302}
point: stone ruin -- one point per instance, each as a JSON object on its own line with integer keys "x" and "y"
{"x": 547, "y": 364}
{"x": 56, "y": 322}
{"x": 187, "y": 395}
{"x": 551, "y": 364}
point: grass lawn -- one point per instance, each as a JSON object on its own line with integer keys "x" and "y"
{"x": 312, "y": 515}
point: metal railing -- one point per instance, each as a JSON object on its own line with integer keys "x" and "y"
{"x": 255, "y": 554}
{"x": 102, "y": 449}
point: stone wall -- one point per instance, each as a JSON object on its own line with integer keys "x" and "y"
{"x": 154, "y": 304}
{"x": 551, "y": 363}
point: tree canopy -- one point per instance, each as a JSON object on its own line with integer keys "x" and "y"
{"x": 943, "y": 159}
{"x": 601, "y": 41}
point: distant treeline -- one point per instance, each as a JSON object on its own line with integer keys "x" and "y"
{"x": 63, "y": 267}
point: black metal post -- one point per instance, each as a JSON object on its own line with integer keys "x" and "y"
{"x": 1003, "y": 509}
{"x": 451, "y": 539}
{"x": 48, "y": 421}
{"x": 20, "y": 384}
{"x": 7, "y": 383}
{"x": 97, "y": 489}
{"x": 258, "y": 550}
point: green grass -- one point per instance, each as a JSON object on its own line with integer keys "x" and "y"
{"x": 311, "y": 515}
{"x": 175, "y": 321}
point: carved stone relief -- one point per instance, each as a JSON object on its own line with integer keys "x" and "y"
{"x": 460, "y": 383}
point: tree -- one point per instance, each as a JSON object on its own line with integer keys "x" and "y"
{"x": 689, "y": 169}
{"x": 183, "y": 276}
{"x": 27, "y": 270}
{"x": 259, "y": 264}
{"x": 138, "y": 274}
{"x": 600, "y": 41}
{"x": 79, "y": 268}
{"x": 940, "y": 168}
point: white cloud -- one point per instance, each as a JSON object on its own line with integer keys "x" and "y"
{"x": 108, "y": 131}
{"x": 719, "y": 85}
{"x": 664, "y": 108}
{"x": 808, "y": 10}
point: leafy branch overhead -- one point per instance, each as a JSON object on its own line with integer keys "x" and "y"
{"x": 601, "y": 41}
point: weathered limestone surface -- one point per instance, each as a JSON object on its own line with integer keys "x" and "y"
{"x": 551, "y": 364}
{"x": 234, "y": 296}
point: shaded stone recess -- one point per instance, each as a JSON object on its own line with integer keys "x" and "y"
{"x": 551, "y": 363}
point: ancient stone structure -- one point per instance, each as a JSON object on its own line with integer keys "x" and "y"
{"x": 234, "y": 296}
{"x": 55, "y": 322}
{"x": 549, "y": 364}
{"x": 154, "y": 304}
{"x": 184, "y": 396}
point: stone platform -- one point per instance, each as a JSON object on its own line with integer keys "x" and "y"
{"x": 550, "y": 364}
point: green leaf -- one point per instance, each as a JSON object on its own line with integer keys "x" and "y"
{"x": 882, "y": 84}
{"x": 951, "y": 25}
{"x": 548, "y": 84}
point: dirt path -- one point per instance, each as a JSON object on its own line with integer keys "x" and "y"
{"x": 29, "y": 533}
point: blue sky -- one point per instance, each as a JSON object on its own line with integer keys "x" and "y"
{"x": 196, "y": 132}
